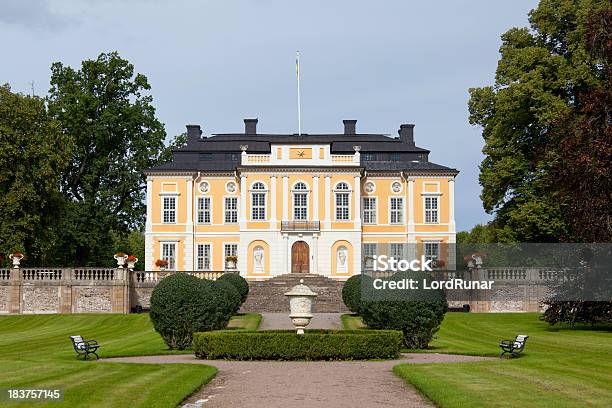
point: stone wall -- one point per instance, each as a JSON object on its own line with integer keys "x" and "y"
{"x": 78, "y": 290}
{"x": 64, "y": 290}
{"x": 99, "y": 290}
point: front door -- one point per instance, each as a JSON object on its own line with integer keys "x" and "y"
{"x": 300, "y": 258}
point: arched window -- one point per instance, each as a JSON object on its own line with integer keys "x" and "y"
{"x": 342, "y": 186}
{"x": 342, "y": 202}
{"x": 300, "y": 202}
{"x": 258, "y": 201}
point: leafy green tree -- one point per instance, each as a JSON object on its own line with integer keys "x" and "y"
{"x": 581, "y": 148}
{"x": 541, "y": 79}
{"x": 34, "y": 153}
{"x": 106, "y": 109}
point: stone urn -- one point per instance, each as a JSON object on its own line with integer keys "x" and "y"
{"x": 131, "y": 261}
{"x": 120, "y": 258}
{"x": 16, "y": 259}
{"x": 300, "y": 305}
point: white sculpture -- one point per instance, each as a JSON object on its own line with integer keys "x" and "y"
{"x": 258, "y": 259}
{"x": 342, "y": 260}
{"x": 300, "y": 305}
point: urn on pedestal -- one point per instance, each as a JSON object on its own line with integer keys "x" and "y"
{"x": 300, "y": 304}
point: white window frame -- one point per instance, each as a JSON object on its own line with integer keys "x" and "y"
{"x": 169, "y": 211}
{"x": 164, "y": 251}
{"x": 398, "y": 254}
{"x": 399, "y": 212}
{"x": 344, "y": 193}
{"x": 427, "y": 245}
{"x": 369, "y": 263}
{"x": 372, "y": 213}
{"x": 203, "y": 211}
{"x": 301, "y": 192}
{"x": 202, "y": 257}
{"x": 434, "y": 213}
{"x": 259, "y": 207}
{"x": 226, "y": 253}
{"x": 227, "y": 211}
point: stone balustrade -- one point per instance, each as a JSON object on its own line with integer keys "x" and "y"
{"x": 80, "y": 290}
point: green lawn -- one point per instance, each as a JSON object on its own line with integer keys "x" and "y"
{"x": 352, "y": 322}
{"x": 35, "y": 351}
{"x": 560, "y": 367}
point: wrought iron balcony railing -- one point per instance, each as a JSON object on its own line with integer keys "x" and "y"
{"x": 300, "y": 226}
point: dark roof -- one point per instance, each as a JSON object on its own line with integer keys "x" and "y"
{"x": 221, "y": 152}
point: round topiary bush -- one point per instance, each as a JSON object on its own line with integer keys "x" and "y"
{"x": 418, "y": 313}
{"x": 351, "y": 293}
{"x": 182, "y": 304}
{"x": 231, "y": 292}
{"x": 239, "y": 283}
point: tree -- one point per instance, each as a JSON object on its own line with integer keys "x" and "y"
{"x": 105, "y": 109}
{"x": 541, "y": 81}
{"x": 34, "y": 153}
{"x": 584, "y": 139}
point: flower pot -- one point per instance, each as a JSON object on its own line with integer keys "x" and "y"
{"x": 16, "y": 259}
{"x": 130, "y": 264}
{"x": 120, "y": 260}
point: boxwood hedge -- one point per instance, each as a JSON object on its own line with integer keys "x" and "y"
{"x": 182, "y": 304}
{"x": 287, "y": 345}
{"x": 239, "y": 283}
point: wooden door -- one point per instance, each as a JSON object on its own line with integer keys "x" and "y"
{"x": 300, "y": 258}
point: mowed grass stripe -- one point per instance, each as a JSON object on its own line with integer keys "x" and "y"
{"x": 35, "y": 352}
{"x": 560, "y": 367}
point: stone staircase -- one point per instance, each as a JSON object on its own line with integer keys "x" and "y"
{"x": 268, "y": 296}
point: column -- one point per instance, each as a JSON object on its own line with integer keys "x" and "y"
{"x": 451, "y": 205}
{"x": 452, "y": 245}
{"x": 357, "y": 204}
{"x": 287, "y": 257}
{"x": 326, "y": 220}
{"x": 285, "y": 198}
{"x": 410, "y": 205}
{"x": 188, "y": 248}
{"x": 148, "y": 261}
{"x": 273, "y": 202}
{"x": 243, "y": 202}
{"x": 315, "y": 198}
{"x": 412, "y": 244}
{"x": 315, "y": 253}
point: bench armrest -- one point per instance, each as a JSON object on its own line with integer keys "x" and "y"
{"x": 506, "y": 342}
{"x": 91, "y": 342}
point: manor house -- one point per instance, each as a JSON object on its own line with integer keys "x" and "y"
{"x": 269, "y": 204}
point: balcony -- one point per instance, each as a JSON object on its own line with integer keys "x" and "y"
{"x": 303, "y": 226}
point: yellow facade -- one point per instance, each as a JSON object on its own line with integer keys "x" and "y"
{"x": 295, "y": 194}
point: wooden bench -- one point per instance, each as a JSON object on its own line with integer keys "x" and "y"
{"x": 513, "y": 347}
{"x": 84, "y": 347}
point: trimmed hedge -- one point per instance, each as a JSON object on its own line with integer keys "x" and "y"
{"x": 182, "y": 304}
{"x": 232, "y": 294}
{"x": 351, "y": 291}
{"x": 239, "y": 283}
{"x": 287, "y": 345}
{"x": 418, "y": 313}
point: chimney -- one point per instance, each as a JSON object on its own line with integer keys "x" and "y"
{"x": 193, "y": 133}
{"x": 349, "y": 126}
{"x": 406, "y": 133}
{"x": 250, "y": 126}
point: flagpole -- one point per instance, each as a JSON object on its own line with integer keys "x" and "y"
{"x": 297, "y": 71}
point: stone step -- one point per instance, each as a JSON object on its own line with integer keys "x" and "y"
{"x": 268, "y": 296}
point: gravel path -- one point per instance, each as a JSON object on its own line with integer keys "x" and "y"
{"x": 291, "y": 384}
{"x": 281, "y": 321}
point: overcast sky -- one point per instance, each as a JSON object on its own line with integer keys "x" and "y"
{"x": 216, "y": 62}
